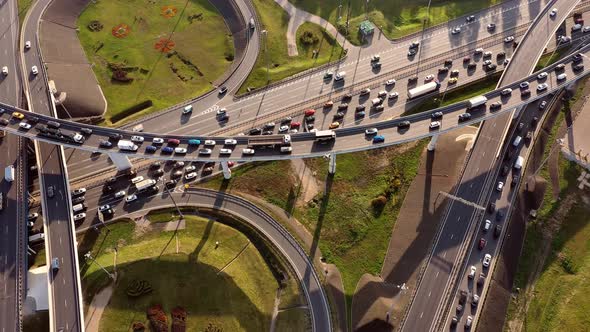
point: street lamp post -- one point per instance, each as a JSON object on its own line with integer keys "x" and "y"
{"x": 89, "y": 257}
{"x": 264, "y": 40}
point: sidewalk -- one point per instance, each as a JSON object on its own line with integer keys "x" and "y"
{"x": 380, "y": 301}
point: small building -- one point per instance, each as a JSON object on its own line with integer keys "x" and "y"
{"x": 366, "y": 28}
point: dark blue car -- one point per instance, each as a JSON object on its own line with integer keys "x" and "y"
{"x": 151, "y": 149}
{"x": 167, "y": 149}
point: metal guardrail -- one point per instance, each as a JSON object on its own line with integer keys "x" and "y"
{"x": 22, "y": 230}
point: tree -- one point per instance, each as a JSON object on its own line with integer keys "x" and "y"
{"x": 309, "y": 38}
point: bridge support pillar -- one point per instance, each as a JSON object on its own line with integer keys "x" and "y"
{"x": 332, "y": 164}
{"x": 432, "y": 144}
{"x": 226, "y": 170}
{"x": 121, "y": 162}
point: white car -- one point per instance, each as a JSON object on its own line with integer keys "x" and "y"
{"x": 80, "y": 191}
{"x": 506, "y": 92}
{"x": 180, "y": 150}
{"x": 371, "y": 131}
{"x": 33, "y": 216}
{"x": 393, "y": 95}
{"x": 190, "y": 168}
{"x": 103, "y": 208}
{"x": 230, "y": 141}
{"x": 209, "y": 142}
{"x": 472, "y": 271}
{"x": 434, "y": 125}
{"x": 375, "y": 58}
{"x": 205, "y": 151}
{"x": 137, "y": 179}
{"x": 506, "y": 61}
{"x": 248, "y": 151}
{"x": 120, "y": 194}
{"x": 283, "y": 129}
{"x": 27, "y": 44}
{"x": 225, "y": 151}
{"x": 294, "y": 131}
{"x": 190, "y": 176}
{"x": 542, "y": 87}
{"x": 79, "y": 216}
{"x": 487, "y": 225}
{"x": 553, "y": 12}
{"x": 34, "y": 70}
{"x": 130, "y": 198}
{"x": 24, "y": 125}
{"x": 486, "y": 260}
{"x": 456, "y": 30}
{"x": 542, "y": 76}
{"x": 500, "y": 186}
{"x": 5, "y": 70}
{"x": 390, "y": 82}
{"x": 158, "y": 140}
{"x": 221, "y": 111}
{"x": 428, "y": 78}
{"x": 487, "y": 62}
{"x": 137, "y": 139}
{"x": 509, "y": 39}
{"x": 586, "y": 29}
{"x": 287, "y": 139}
{"x": 270, "y": 125}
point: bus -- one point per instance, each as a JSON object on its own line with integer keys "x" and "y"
{"x": 145, "y": 184}
{"x": 324, "y": 135}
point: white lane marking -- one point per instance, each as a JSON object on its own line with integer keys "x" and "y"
{"x": 444, "y": 254}
{"x": 452, "y": 236}
{"x": 429, "y": 293}
{"x": 421, "y": 314}
{"x": 437, "y": 272}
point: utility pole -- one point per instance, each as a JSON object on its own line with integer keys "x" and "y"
{"x": 264, "y": 40}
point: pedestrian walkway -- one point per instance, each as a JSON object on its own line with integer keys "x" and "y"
{"x": 576, "y": 142}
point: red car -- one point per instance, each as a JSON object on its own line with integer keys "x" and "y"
{"x": 309, "y": 112}
{"x": 173, "y": 141}
{"x": 230, "y": 164}
{"x": 295, "y": 124}
{"x": 482, "y": 243}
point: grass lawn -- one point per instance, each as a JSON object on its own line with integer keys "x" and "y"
{"x": 351, "y": 233}
{"x": 23, "y": 7}
{"x": 202, "y": 52}
{"x": 459, "y": 94}
{"x": 396, "y": 17}
{"x": 239, "y": 299}
{"x": 275, "y": 20}
{"x": 550, "y": 58}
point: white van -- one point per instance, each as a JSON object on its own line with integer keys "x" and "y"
{"x": 78, "y": 207}
{"x": 517, "y": 141}
{"x": 519, "y": 162}
{"x": 187, "y": 109}
{"x": 561, "y": 77}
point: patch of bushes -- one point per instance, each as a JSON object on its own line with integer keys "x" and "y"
{"x": 213, "y": 328}
{"x": 95, "y": 26}
{"x": 309, "y": 38}
{"x": 157, "y": 318}
{"x": 132, "y": 110}
{"x": 178, "y": 319}
{"x": 137, "y": 288}
{"x": 138, "y": 327}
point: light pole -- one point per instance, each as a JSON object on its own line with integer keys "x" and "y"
{"x": 89, "y": 257}
{"x": 264, "y": 40}
{"x": 424, "y": 25}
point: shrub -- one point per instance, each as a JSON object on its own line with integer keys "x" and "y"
{"x": 178, "y": 319}
{"x": 309, "y": 38}
{"x": 138, "y": 327}
{"x": 379, "y": 202}
{"x": 212, "y": 328}
{"x": 157, "y": 318}
{"x": 137, "y": 288}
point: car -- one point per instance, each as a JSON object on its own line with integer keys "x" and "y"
{"x": 403, "y": 124}
{"x": 347, "y": 96}
{"x": 27, "y": 44}
{"x": 208, "y": 169}
{"x": 230, "y": 141}
{"x": 248, "y": 151}
{"x": 120, "y": 194}
{"x": 209, "y": 142}
{"x": 500, "y": 186}
{"x": 173, "y": 141}
{"x": 560, "y": 67}
{"x": 176, "y": 174}
{"x": 24, "y": 126}
{"x": 170, "y": 183}
{"x": 586, "y": 29}
{"x": 478, "y": 51}
{"x": 486, "y": 226}
{"x": 286, "y": 149}
{"x": 491, "y": 27}
{"x": 334, "y": 125}
{"x": 523, "y": 85}
{"x": 33, "y": 216}
{"x": 107, "y": 189}
{"x": 225, "y": 151}
{"x": 481, "y": 280}
{"x": 378, "y": 139}
{"x": 310, "y": 118}
{"x": 542, "y": 87}
{"x": 221, "y": 111}
{"x": 222, "y": 90}
{"x": 412, "y": 80}
{"x": 520, "y": 127}
{"x": 293, "y": 131}
{"x": 436, "y": 115}
{"x": 491, "y": 67}
{"x": 454, "y": 322}
{"x": 339, "y": 115}
{"x": 464, "y": 117}
{"x": 534, "y": 121}
{"x": 415, "y": 44}
{"x": 578, "y": 67}
{"x": 194, "y": 141}
{"x": 459, "y": 309}
{"x": 159, "y": 172}
{"x": 18, "y": 115}
{"x": 497, "y": 231}
{"x": 487, "y": 63}
{"x": 34, "y": 70}
{"x": 4, "y": 122}
{"x": 499, "y": 215}
{"x": 453, "y": 80}
{"x": 482, "y": 243}
{"x": 577, "y": 58}
{"x": 454, "y": 73}
{"x": 393, "y": 95}
{"x": 371, "y": 131}
{"x": 130, "y": 198}
{"x": 365, "y": 92}
{"x": 375, "y": 58}
{"x": 500, "y": 55}
{"x": 190, "y": 168}
{"x": 553, "y": 12}
{"x": 506, "y": 92}
{"x": 471, "y": 66}
{"x": 564, "y": 39}
{"x": 412, "y": 53}
{"x": 542, "y": 105}
{"x": 456, "y": 31}
{"x": 472, "y": 271}
{"x": 205, "y": 152}
{"x": 79, "y": 216}
{"x": 178, "y": 164}
{"x": 379, "y": 108}
{"x": 491, "y": 207}
{"x": 309, "y": 112}
{"x": 509, "y": 39}
{"x": 463, "y": 296}
{"x": 283, "y": 128}
{"x": 360, "y": 114}
{"x": 105, "y": 144}
{"x": 269, "y": 125}
{"x": 343, "y": 106}
{"x": 328, "y": 75}
{"x": 79, "y": 191}
{"x": 475, "y": 300}
{"x": 137, "y": 139}
{"x": 51, "y": 191}
{"x": 468, "y": 322}
{"x": 390, "y": 82}
{"x": 190, "y": 176}
{"x": 360, "y": 108}
{"x": 542, "y": 76}
{"x": 466, "y": 59}
{"x": 267, "y": 132}
{"x": 487, "y": 55}
{"x": 470, "y": 18}
{"x": 428, "y": 78}
{"x": 434, "y": 125}
{"x": 486, "y": 260}
{"x": 495, "y": 106}
{"x": 328, "y": 104}
{"x": 5, "y": 70}
{"x": 103, "y": 208}
{"x": 525, "y": 93}
{"x": 114, "y": 137}
{"x": 516, "y": 177}
{"x": 84, "y": 131}
{"x": 448, "y": 63}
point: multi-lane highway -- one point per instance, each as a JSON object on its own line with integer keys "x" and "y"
{"x": 464, "y": 214}
{"x": 13, "y": 212}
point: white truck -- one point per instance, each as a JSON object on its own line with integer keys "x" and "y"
{"x": 324, "y": 135}
{"x": 9, "y": 173}
{"x": 476, "y": 101}
{"x": 37, "y": 237}
{"x": 145, "y": 184}
{"x": 127, "y": 145}
{"x": 519, "y": 162}
{"x": 423, "y": 89}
